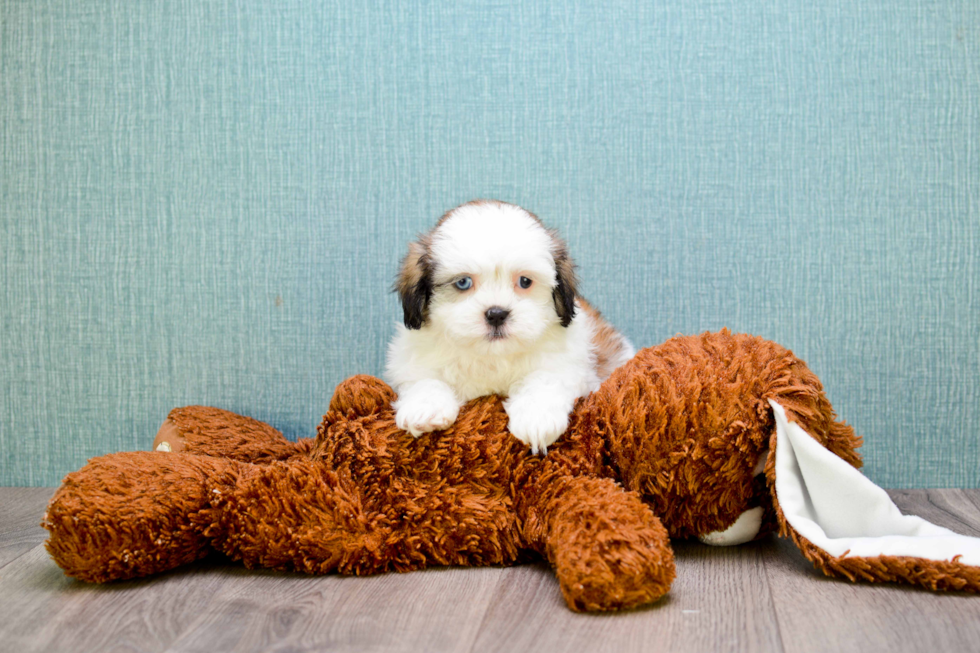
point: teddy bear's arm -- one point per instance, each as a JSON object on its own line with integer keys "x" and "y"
{"x": 302, "y": 515}
{"x": 221, "y": 433}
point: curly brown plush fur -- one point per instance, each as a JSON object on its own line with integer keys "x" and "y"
{"x": 666, "y": 447}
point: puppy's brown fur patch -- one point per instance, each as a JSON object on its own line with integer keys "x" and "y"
{"x": 609, "y": 344}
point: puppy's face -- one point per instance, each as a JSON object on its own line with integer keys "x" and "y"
{"x": 489, "y": 275}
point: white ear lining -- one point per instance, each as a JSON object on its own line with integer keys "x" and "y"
{"x": 841, "y": 511}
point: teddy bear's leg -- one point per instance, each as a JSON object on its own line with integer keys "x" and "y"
{"x": 127, "y": 515}
{"x": 221, "y": 433}
{"x": 608, "y": 549}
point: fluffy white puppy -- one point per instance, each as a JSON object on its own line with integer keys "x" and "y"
{"x": 490, "y": 304}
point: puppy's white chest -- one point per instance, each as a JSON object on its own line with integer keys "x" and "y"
{"x": 472, "y": 378}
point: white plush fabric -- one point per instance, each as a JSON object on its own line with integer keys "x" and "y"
{"x": 839, "y": 510}
{"x": 745, "y": 528}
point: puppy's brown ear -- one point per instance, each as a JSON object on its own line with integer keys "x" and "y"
{"x": 414, "y": 285}
{"x": 566, "y": 288}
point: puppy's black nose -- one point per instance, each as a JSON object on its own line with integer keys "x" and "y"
{"x": 496, "y": 315}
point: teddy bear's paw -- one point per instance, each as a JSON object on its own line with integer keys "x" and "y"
{"x": 745, "y": 529}
{"x": 536, "y": 421}
{"x": 625, "y": 580}
{"x": 168, "y": 438}
{"x": 425, "y": 407}
{"x": 614, "y": 565}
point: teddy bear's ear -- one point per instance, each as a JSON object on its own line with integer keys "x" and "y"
{"x": 414, "y": 285}
{"x": 566, "y": 286}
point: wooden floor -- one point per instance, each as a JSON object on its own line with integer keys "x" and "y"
{"x": 758, "y": 597}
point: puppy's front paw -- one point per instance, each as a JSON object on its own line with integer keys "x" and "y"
{"x": 426, "y": 407}
{"x": 536, "y": 421}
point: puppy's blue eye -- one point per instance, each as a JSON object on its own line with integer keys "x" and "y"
{"x": 463, "y": 283}
{"x": 524, "y": 282}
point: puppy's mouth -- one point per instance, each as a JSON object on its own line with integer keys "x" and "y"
{"x": 496, "y": 334}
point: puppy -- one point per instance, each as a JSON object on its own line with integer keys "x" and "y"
{"x": 490, "y": 304}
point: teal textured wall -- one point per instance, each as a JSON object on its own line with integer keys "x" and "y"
{"x": 204, "y": 202}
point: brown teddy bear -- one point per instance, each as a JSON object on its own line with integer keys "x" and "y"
{"x": 679, "y": 442}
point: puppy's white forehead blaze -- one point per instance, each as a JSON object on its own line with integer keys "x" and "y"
{"x": 492, "y": 239}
